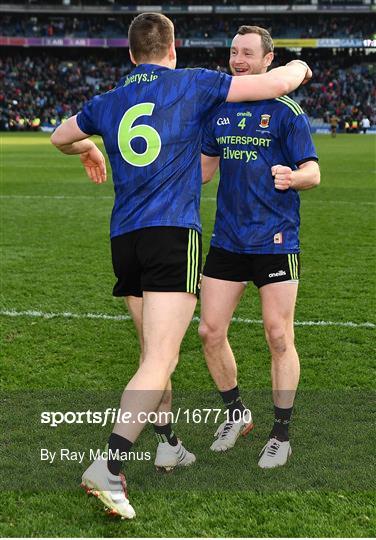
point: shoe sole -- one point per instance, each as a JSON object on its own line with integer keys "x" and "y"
{"x": 109, "y": 509}
{"x": 170, "y": 468}
{"x": 163, "y": 469}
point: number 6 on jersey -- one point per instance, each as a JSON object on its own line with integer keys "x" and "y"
{"x": 127, "y": 133}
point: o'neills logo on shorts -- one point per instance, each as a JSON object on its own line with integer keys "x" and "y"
{"x": 278, "y": 274}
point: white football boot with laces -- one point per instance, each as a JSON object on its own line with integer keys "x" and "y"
{"x": 274, "y": 454}
{"x": 168, "y": 457}
{"x": 108, "y": 488}
{"x": 228, "y": 433}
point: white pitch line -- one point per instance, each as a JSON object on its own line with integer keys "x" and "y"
{"x": 103, "y": 316}
{"x": 69, "y": 197}
{"x": 356, "y": 203}
{"x": 55, "y": 197}
{"x": 109, "y": 197}
{"x": 64, "y": 315}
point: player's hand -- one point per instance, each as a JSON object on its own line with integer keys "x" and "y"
{"x": 95, "y": 165}
{"x": 308, "y": 75}
{"x": 282, "y": 177}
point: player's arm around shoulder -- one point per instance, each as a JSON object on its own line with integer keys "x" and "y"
{"x": 306, "y": 176}
{"x": 71, "y": 140}
{"x": 275, "y": 83}
{"x": 209, "y": 166}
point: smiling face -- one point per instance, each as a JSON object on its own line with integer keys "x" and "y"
{"x": 247, "y": 55}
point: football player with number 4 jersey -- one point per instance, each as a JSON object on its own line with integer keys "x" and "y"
{"x": 151, "y": 126}
{"x": 266, "y": 155}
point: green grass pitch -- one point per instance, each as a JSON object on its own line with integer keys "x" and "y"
{"x": 55, "y": 258}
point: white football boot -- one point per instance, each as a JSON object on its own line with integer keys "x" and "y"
{"x": 228, "y": 432}
{"x": 274, "y": 454}
{"x": 108, "y": 488}
{"x": 168, "y": 457}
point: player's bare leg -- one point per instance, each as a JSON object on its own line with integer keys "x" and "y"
{"x": 278, "y": 306}
{"x": 134, "y": 305}
{"x": 219, "y": 299}
{"x": 170, "y": 451}
{"x": 165, "y": 319}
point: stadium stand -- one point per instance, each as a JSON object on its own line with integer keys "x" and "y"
{"x": 113, "y": 4}
{"x": 195, "y": 26}
{"x": 43, "y": 85}
{"x": 51, "y": 88}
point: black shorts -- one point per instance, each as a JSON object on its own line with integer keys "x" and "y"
{"x": 164, "y": 259}
{"x": 244, "y": 267}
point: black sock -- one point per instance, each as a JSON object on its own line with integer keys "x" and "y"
{"x": 117, "y": 445}
{"x": 282, "y": 418}
{"x": 165, "y": 434}
{"x": 233, "y": 402}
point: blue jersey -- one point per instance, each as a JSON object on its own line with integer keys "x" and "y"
{"x": 151, "y": 127}
{"x": 252, "y": 216}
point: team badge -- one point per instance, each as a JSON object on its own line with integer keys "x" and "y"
{"x": 264, "y": 121}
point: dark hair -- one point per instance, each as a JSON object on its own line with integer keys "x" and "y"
{"x": 266, "y": 38}
{"x": 149, "y": 36}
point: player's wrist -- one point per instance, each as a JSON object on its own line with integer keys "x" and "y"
{"x": 299, "y": 62}
{"x": 303, "y": 66}
{"x": 293, "y": 179}
{"x": 85, "y": 146}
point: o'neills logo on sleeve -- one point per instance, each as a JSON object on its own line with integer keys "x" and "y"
{"x": 278, "y": 238}
{"x": 264, "y": 120}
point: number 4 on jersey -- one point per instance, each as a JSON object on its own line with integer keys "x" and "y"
{"x": 242, "y": 123}
{"x": 127, "y": 133}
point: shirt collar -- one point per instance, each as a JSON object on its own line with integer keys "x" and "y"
{"x": 149, "y": 67}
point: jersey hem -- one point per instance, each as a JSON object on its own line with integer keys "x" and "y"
{"x": 208, "y": 154}
{"x": 256, "y": 251}
{"x": 125, "y": 230}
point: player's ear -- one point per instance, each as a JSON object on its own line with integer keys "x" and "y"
{"x": 268, "y": 59}
{"x": 172, "y": 54}
{"x": 132, "y": 58}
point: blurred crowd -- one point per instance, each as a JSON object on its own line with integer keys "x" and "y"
{"x": 191, "y": 26}
{"x": 42, "y": 89}
{"x": 348, "y": 93}
{"x": 118, "y": 3}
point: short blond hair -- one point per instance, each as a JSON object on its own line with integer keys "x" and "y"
{"x": 150, "y": 36}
